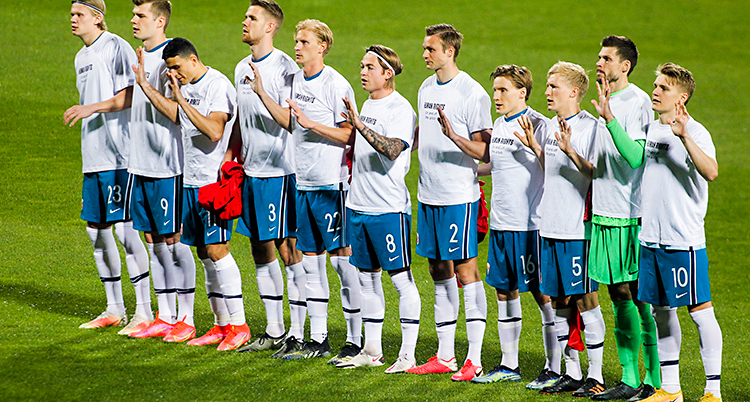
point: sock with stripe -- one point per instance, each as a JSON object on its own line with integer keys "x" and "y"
{"x": 446, "y": 314}
{"x": 552, "y": 351}
{"x": 373, "y": 311}
{"x": 350, "y": 294}
{"x": 628, "y": 340}
{"x": 509, "y": 330}
{"x": 185, "y": 281}
{"x": 648, "y": 344}
{"x": 107, "y": 259}
{"x": 230, "y": 279}
{"x": 271, "y": 290}
{"x": 163, "y": 274}
{"x": 317, "y": 295}
{"x": 410, "y": 308}
{"x": 215, "y": 297}
{"x": 711, "y": 348}
{"x": 475, "y": 303}
{"x": 295, "y": 284}
{"x": 572, "y": 364}
{"x": 669, "y": 340}
{"x": 594, "y": 331}
{"x": 136, "y": 259}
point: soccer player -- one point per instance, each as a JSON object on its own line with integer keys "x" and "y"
{"x": 321, "y": 133}
{"x": 105, "y": 84}
{"x": 513, "y": 257}
{"x": 448, "y": 195}
{"x": 204, "y": 107}
{"x": 156, "y": 165}
{"x": 568, "y": 170}
{"x": 613, "y": 260}
{"x": 380, "y": 207}
{"x": 267, "y": 152}
{"x": 680, "y": 160}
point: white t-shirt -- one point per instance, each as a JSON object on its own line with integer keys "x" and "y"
{"x": 447, "y": 176}
{"x": 267, "y": 148}
{"x": 102, "y": 70}
{"x": 320, "y": 161}
{"x": 517, "y": 176}
{"x": 378, "y": 183}
{"x": 565, "y": 188}
{"x": 155, "y": 141}
{"x": 211, "y": 93}
{"x": 616, "y": 190}
{"x": 675, "y": 195}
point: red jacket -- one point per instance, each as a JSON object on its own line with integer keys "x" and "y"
{"x": 224, "y": 197}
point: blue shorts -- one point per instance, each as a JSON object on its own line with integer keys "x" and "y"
{"x": 268, "y": 208}
{"x": 200, "y": 227}
{"x": 106, "y": 196}
{"x": 564, "y": 266}
{"x": 157, "y": 204}
{"x": 513, "y": 260}
{"x": 321, "y": 220}
{"x": 673, "y": 278}
{"x": 380, "y": 241}
{"x": 447, "y": 232}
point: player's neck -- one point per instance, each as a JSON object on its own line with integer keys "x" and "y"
{"x": 154, "y": 41}
{"x": 313, "y": 67}
{"x": 569, "y": 110}
{"x": 446, "y": 73}
{"x": 201, "y": 70}
{"x": 666, "y": 117}
{"x": 619, "y": 85}
{"x": 380, "y": 93}
{"x": 89, "y": 38}
{"x": 262, "y": 49}
{"x": 518, "y": 109}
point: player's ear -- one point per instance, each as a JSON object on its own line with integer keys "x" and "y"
{"x": 574, "y": 92}
{"x": 161, "y": 22}
{"x": 522, "y": 94}
{"x": 270, "y": 27}
{"x": 626, "y": 66}
{"x": 323, "y": 47}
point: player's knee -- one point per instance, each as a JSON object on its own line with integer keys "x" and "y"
{"x": 620, "y": 292}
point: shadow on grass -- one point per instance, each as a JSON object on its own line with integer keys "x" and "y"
{"x": 46, "y": 299}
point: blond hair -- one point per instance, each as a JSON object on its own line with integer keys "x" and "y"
{"x": 94, "y": 6}
{"x": 678, "y": 76}
{"x": 390, "y": 57}
{"x": 573, "y": 74}
{"x": 319, "y": 29}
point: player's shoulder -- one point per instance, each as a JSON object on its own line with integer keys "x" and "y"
{"x": 635, "y": 96}
{"x": 335, "y": 79}
{"x": 536, "y": 117}
{"x": 695, "y": 127}
{"x": 243, "y": 64}
{"x": 428, "y": 82}
{"x": 215, "y": 77}
{"x": 115, "y": 41}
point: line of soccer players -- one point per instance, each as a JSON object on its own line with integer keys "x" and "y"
{"x": 577, "y": 200}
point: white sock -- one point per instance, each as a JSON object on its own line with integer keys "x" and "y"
{"x": 668, "y": 342}
{"x": 215, "y": 297}
{"x": 271, "y": 290}
{"x": 509, "y": 330}
{"x": 446, "y": 314}
{"x": 350, "y": 294}
{"x": 163, "y": 272}
{"x": 475, "y": 302}
{"x": 549, "y": 336}
{"x": 594, "y": 331}
{"x": 136, "y": 259}
{"x": 295, "y": 284}
{"x": 231, "y": 287}
{"x": 185, "y": 281}
{"x": 410, "y": 308}
{"x": 711, "y": 348}
{"x": 317, "y": 295}
{"x": 373, "y": 311}
{"x": 572, "y": 364}
{"x": 107, "y": 258}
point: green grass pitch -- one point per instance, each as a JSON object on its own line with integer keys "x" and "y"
{"x": 48, "y": 283}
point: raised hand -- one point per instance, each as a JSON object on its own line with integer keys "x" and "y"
{"x": 602, "y": 107}
{"x": 174, "y": 86}
{"x": 139, "y": 69}
{"x": 679, "y": 124}
{"x": 445, "y": 125}
{"x": 351, "y": 114}
{"x": 302, "y": 120}
{"x": 527, "y": 138}
{"x": 256, "y": 83}
{"x": 563, "y": 137}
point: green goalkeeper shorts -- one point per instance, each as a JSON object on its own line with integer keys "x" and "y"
{"x": 614, "y": 253}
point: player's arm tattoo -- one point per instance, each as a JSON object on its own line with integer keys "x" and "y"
{"x": 391, "y": 148}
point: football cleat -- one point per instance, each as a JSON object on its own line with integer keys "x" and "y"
{"x": 181, "y": 332}
{"x": 545, "y": 379}
{"x": 499, "y": 374}
{"x": 663, "y": 396}
{"x": 236, "y": 336}
{"x": 310, "y": 350}
{"x": 589, "y": 388}
{"x": 403, "y": 363}
{"x": 468, "y": 372}
{"x": 214, "y": 335}
{"x": 137, "y": 323}
{"x": 290, "y": 345}
{"x": 619, "y": 391}
{"x": 264, "y": 342}
{"x": 347, "y": 353}
{"x": 106, "y": 319}
{"x": 435, "y": 366}
{"x": 709, "y": 397}
{"x": 565, "y": 383}
{"x": 363, "y": 360}
{"x": 157, "y": 329}
{"x": 644, "y": 391}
